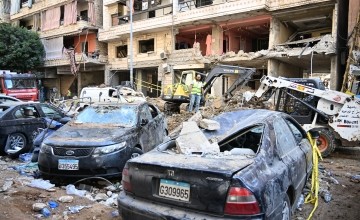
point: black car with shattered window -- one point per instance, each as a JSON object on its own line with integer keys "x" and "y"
{"x": 100, "y": 139}
{"x": 20, "y": 123}
{"x": 259, "y": 173}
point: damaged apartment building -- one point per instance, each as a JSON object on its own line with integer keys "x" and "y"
{"x": 294, "y": 38}
{"x": 68, "y": 30}
{"x": 87, "y": 42}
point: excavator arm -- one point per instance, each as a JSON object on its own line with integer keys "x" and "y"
{"x": 342, "y": 110}
{"x": 244, "y": 75}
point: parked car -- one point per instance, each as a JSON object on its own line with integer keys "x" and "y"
{"x": 7, "y": 99}
{"x": 100, "y": 139}
{"x": 19, "y": 123}
{"x": 259, "y": 173}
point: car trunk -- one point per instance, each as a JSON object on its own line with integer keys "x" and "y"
{"x": 199, "y": 183}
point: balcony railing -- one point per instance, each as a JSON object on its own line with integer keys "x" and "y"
{"x": 79, "y": 57}
{"x": 66, "y": 30}
{"x": 137, "y": 16}
{"x": 38, "y": 6}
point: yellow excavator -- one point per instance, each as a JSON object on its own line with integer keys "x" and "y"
{"x": 179, "y": 93}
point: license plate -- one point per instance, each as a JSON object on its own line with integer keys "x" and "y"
{"x": 68, "y": 164}
{"x": 174, "y": 190}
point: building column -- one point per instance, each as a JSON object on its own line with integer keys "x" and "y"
{"x": 217, "y": 40}
{"x": 107, "y": 76}
{"x": 279, "y": 33}
{"x": 79, "y": 83}
{"x": 138, "y": 81}
{"x": 333, "y": 73}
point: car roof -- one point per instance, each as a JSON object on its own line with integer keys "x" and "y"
{"x": 9, "y": 97}
{"x": 135, "y": 103}
{"x": 231, "y": 122}
{"x": 13, "y": 104}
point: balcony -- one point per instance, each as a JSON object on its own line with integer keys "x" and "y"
{"x": 80, "y": 58}
{"x": 193, "y": 14}
{"x": 162, "y": 20}
{"x": 110, "y": 2}
{"x": 67, "y": 30}
{"x": 38, "y": 6}
{"x": 279, "y": 4}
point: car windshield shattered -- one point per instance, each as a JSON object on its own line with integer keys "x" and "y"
{"x": 116, "y": 115}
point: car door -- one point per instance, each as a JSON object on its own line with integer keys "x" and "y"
{"x": 25, "y": 123}
{"x": 290, "y": 153}
{"x": 160, "y": 125}
{"x": 147, "y": 128}
{"x": 302, "y": 142}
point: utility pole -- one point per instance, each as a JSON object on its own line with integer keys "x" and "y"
{"x": 131, "y": 43}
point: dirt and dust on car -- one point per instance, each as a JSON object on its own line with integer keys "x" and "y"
{"x": 341, "y": 167}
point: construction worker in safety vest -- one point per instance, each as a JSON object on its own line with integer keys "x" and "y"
{"x": 196, "y": 89}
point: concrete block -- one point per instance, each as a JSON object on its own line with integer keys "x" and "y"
{"x": 192, "y": 141}
{"x": 209, "y": 124}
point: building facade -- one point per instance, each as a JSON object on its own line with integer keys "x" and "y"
{"x": 68, "y": 30}
{"x": 292, "y": 38}
{"x": 87, "y": 42}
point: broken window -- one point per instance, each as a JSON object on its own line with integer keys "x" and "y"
{"x": 151, "y": 14}
{"x": 121, "y": 51}
{"x": 50, "y": 112}
{"x": 146, "y": 46}
{"x": 260, "y": 44}
{"x": 62, "y": 12}
{"x": 84, "y": 15}
{"x": 295, "y": 130}
{"x": 26, "y": 112}
{"x": 145, "y": 113}
{"x": 199, "y": 3}
{"x": 246, "y": 141}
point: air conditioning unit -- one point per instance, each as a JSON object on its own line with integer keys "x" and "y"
{"x": 163, "y": 55}
{"x": 166, "y": 68}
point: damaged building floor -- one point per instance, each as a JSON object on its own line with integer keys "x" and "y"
{"x": 338, "y": 197}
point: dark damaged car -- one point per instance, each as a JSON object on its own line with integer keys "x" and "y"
{"x": 100, "y": 140}
{"x": 259, "y": 173}
{"x": 19, "y": 124}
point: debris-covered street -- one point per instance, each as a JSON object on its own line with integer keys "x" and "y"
{"x": 23, "y": 197}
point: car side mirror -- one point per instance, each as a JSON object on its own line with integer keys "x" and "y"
{"x": 144, "y": 122}
{"x": 315, "y": 134}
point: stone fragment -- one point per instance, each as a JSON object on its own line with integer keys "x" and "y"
{"x": 66, "y": 199}
{"x": 38, "y": 206}
{"x": 209, "y": 124}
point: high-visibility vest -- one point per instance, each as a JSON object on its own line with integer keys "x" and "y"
{"x": 196, "y": 87}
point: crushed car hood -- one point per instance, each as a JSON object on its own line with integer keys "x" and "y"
{"x": 218, "y": 163}
{"x": 80, "y": 135}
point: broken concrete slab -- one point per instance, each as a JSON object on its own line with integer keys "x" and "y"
{"x": 192, "y": 141}
{"x": 196, "y": 117}
{"x": 209, "y": 124}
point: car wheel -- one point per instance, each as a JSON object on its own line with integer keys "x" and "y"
{"x": 325, "y": 142}
{"x": 136, "y": 152}
{"x": 16, "y": 144}
{"x": 286, "y": 209}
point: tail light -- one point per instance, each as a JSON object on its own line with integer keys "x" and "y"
{"x": 126, "y": 179}
{"x": 240, "y": 201}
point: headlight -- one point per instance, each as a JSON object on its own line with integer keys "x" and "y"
{"x": 45, "y": 149}
{"x": 110, "y": 148}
